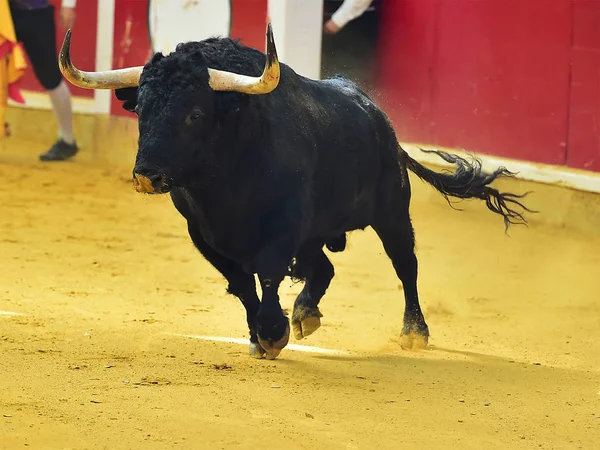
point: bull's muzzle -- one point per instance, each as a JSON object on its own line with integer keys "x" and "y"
{"x": 151, "y": 183}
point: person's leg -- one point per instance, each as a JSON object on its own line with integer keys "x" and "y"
{"x": 60, "y": 97}
{"x": 36, "y": 29}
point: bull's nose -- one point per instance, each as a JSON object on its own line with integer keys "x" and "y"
{"x": 142, "y": 183}
{"x": 150, "y": 184}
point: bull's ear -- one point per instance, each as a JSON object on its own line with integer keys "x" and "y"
{"x": 128, "y": 96}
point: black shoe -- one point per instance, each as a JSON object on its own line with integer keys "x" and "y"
{"x": 60, "y": 151}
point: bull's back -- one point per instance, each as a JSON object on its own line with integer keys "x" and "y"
{"x": 327, "y": 136}
{"x": 352, "y": 140}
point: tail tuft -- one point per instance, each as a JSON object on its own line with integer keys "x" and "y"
{"x": 469, "y": 181}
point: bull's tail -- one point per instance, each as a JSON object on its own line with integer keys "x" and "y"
{"x": 469, "y": 181}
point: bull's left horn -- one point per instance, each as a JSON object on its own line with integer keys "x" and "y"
{"x": 110, "y": 79}
{"x": 228, "y": 81}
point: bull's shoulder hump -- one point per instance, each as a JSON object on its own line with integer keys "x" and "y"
{"x": 350, "y": 90}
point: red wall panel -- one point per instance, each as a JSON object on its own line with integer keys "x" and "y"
{"x": 249, "y": 22}
{"x": 405, "y": 55}
{"x": 583, "y": 149}
{"x": 491, "y": 76}
{"x": 502, "y": 77}
{"x": 83, "y": 47}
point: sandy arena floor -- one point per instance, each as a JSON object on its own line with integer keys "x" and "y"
{"x": 105, "y": 282}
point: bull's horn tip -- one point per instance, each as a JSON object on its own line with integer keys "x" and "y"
{"x": 63, "y": 56}
{"x": 66, "y": 41}
{"x": 271, "y": 48}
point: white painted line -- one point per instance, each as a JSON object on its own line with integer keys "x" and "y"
{"x": 293, "y": 347}
{"x": 9, "y": 313}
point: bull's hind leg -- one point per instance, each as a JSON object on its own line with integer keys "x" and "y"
{"x": 394, "y": 228}
{"x": 313, "y": 266}
{"x": 241, "y": 284}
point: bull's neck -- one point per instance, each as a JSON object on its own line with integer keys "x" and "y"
{"x": 228, "y": 165}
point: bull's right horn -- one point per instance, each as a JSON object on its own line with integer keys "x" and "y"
{"x": 221, "y": 80}
{"x": 110, "y": 79}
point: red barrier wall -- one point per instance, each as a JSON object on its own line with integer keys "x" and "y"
{"x": 583, "y": 150}
{"x": 517, "y": 79}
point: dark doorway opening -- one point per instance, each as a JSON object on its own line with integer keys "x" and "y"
{"x": 351, "y": 52}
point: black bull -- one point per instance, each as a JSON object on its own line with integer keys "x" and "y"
{"x": 269, "y": 171}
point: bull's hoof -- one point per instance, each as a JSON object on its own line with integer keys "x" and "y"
{"x": 256, "y": 351}
{"x": 305, "y": 321}
{"x": 273, "y": 348}
{"x": 306, "y": 327}
{"x": 414, "y": 340}
{"x": 415, "y": 334}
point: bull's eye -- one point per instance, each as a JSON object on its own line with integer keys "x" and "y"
{"x": 193, "y": 116}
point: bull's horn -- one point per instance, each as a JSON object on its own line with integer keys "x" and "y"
{"x": 110, "y": 79}
{"x": 227, "y": 81}
{"x": 219, "y": 80}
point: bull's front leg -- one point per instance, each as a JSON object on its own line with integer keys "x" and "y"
{"x": 272, "y": 324}
{"x": 241, "y": 284}
{"x": 285, "y": 229}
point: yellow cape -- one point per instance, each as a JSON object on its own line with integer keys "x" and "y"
{"x": 12, "y": 62}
